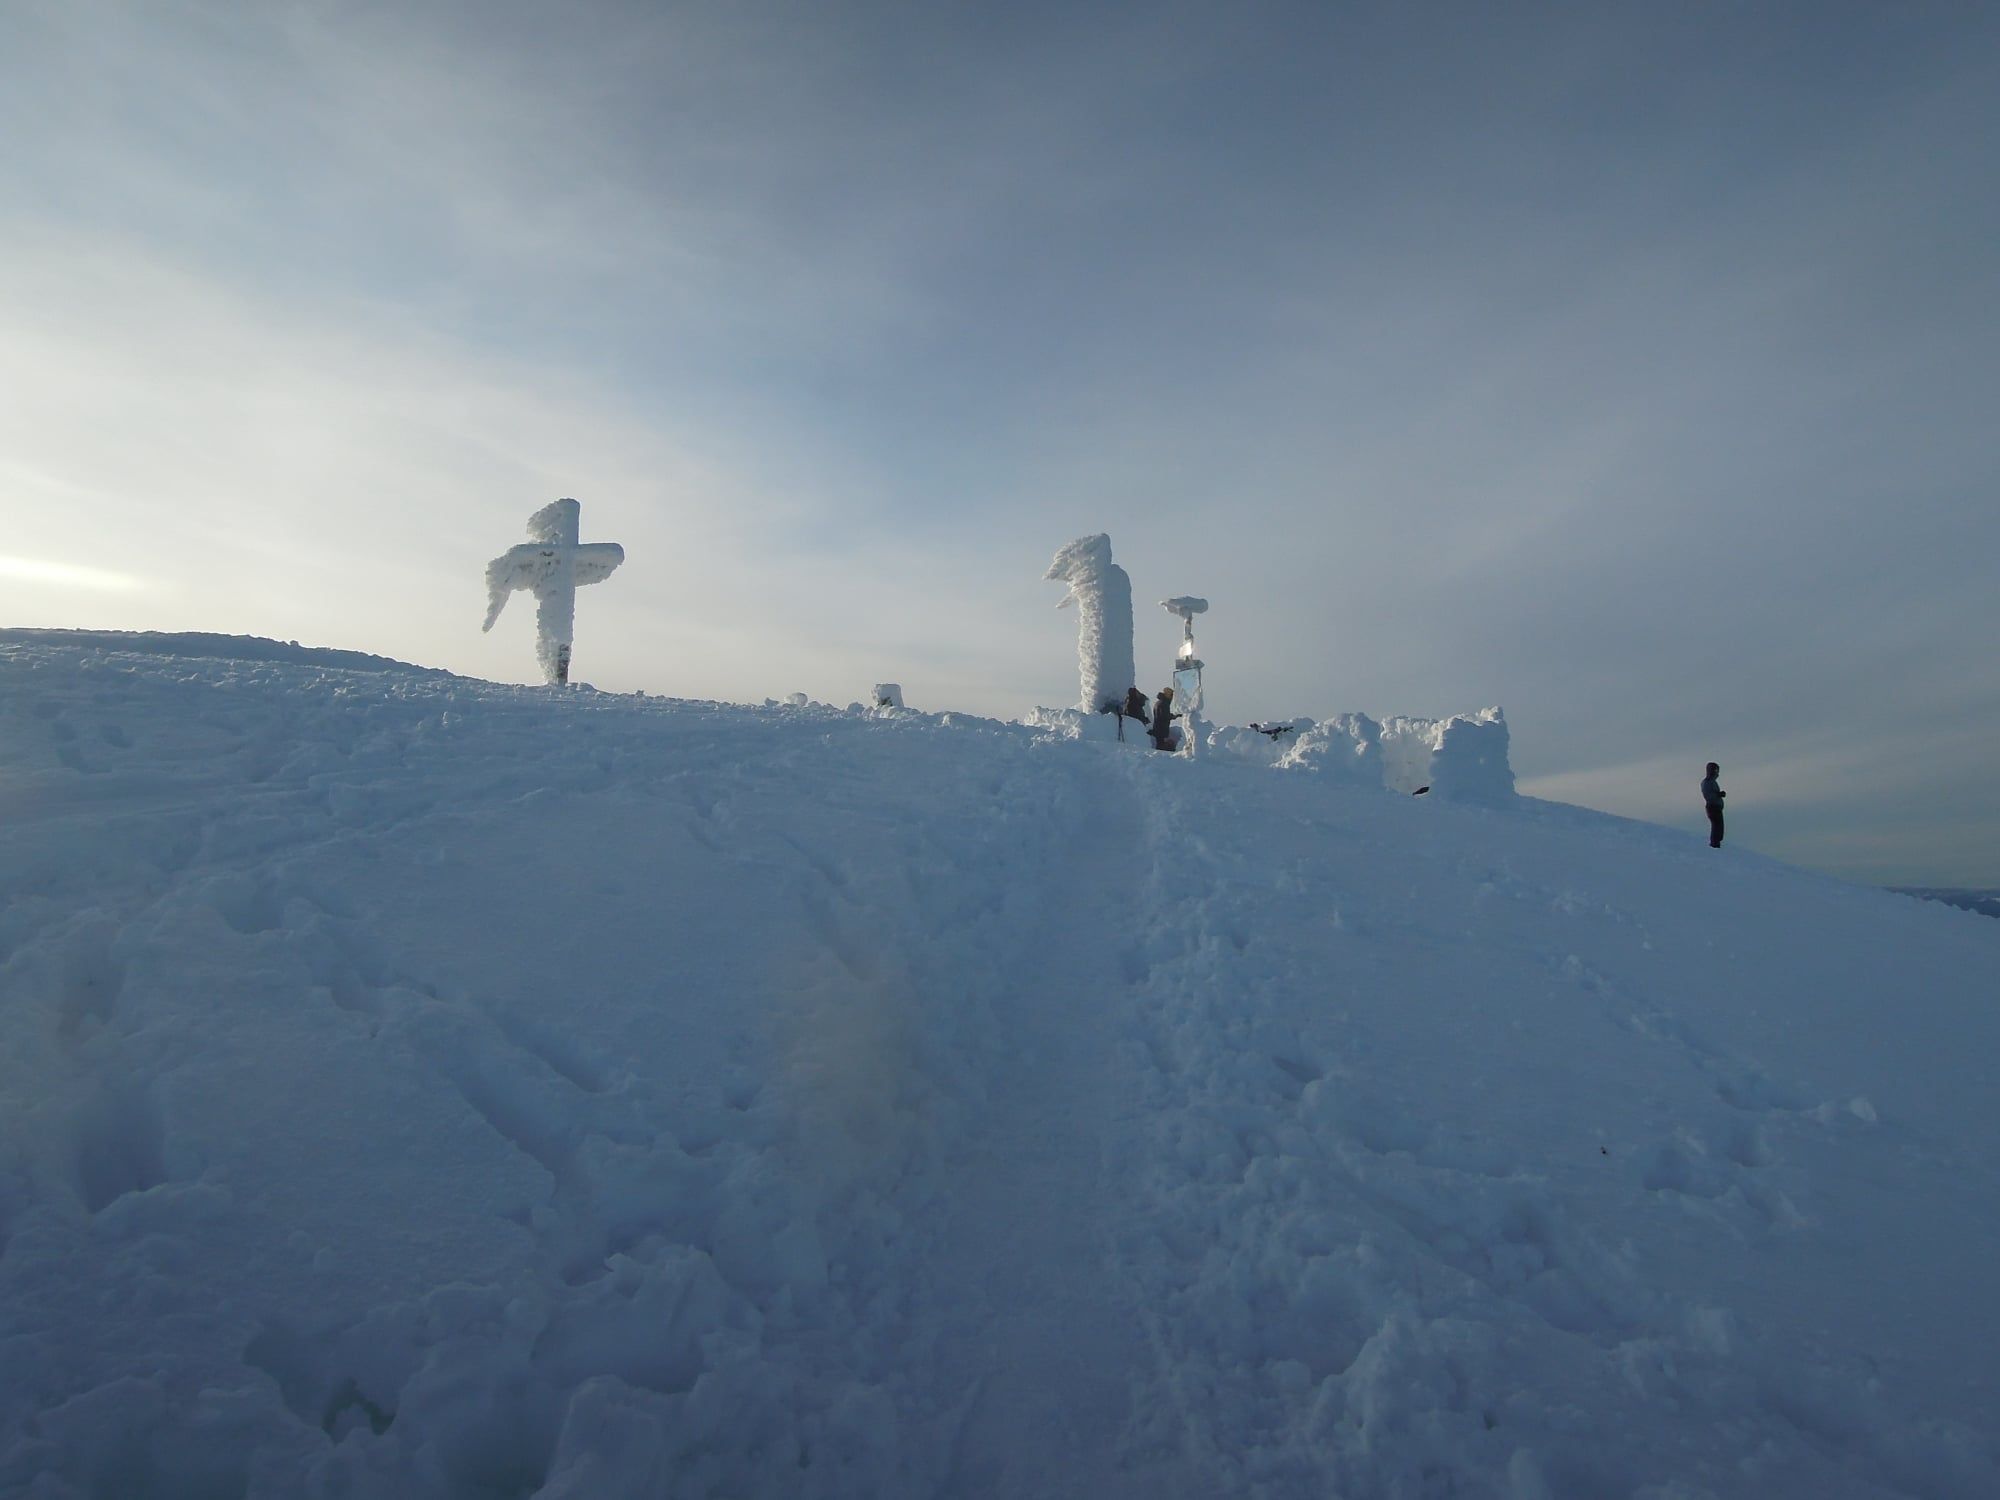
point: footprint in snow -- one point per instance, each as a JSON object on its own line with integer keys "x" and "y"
{"x": 1296, "y": 1075}
{"x": 88, "y": 986}
{"x": 119, "y": 1143}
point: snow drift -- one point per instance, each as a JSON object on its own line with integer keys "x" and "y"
{"x": 421, "y": 1088}
{"x": 1463, "y": 758}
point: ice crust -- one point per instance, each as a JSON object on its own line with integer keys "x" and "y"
{"x": 425, "y": 1088}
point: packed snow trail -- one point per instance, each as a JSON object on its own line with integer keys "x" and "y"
{"x": 419, "y": 1087}
{"x": 1479, "y": 1208}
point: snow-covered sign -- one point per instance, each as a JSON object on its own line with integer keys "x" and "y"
{"x": 552, "y": 564}
{"x": 1102, "y": 593}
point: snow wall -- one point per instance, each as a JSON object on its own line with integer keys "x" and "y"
{"x": 1462, "y": 758}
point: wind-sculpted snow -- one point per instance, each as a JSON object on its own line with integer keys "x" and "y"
{"x": 419, "y": 1088}
{"x": 1463, "y": 758}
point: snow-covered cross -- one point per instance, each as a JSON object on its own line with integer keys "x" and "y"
{"x": 553, "y": 563}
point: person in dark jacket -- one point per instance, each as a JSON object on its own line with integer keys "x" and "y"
{"x": 1135, "y": 705}
{"x": 1711, "y": 798}
{"x": 1163, "y": 720}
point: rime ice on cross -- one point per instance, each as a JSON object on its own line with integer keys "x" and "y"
{"x": 553, "y": 564}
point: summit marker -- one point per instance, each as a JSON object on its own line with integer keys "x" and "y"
{"x": 552, "y": 564}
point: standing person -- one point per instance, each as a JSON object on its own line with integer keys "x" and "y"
{"x": 1711, "y": 798}
{"x": 1162, "y": 728}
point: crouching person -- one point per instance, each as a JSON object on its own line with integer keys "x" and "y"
{"x": 1162, "y": 729}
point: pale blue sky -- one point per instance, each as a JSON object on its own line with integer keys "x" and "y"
{"x": 1631, "y": 366}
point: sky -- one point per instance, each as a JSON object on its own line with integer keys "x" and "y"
{"x": 1630, "y": 366}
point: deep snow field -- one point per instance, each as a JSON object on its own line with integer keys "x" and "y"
{"x": 416, "y": 1087}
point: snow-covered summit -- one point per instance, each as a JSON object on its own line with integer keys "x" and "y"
{"x": 418, "y": 1087}
{"x": 199, "y": 644}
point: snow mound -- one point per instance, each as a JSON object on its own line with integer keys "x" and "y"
{"x": 424, "y": 1088}
{"x": 1461, "y": 759}
{"x": 1076, "y": 724}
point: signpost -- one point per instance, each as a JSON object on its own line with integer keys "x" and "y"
{"x": 1187, "y": 666}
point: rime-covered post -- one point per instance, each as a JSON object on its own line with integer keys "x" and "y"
{"x": 553, "y": 564}
{"x": 1102, "y": 593}
{"x": 1187, "y": 665}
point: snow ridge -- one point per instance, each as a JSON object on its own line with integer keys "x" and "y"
{"x": 197, "y": 644}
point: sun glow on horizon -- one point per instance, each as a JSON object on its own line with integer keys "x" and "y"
{"x": 67, "y": 575}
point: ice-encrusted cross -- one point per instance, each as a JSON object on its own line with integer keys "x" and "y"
{"x": 552, "y": 564}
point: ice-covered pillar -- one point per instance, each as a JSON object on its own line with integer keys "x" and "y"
{"x": 553, "y": 564}
{"x": 1102, "y": 593}
{"x": 1187, "y": 665}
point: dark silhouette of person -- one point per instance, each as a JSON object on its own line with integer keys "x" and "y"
{"x": 1711, "y": 798}
{"x": 1162, "y": 728}
{"x": 1135, "y": 705}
